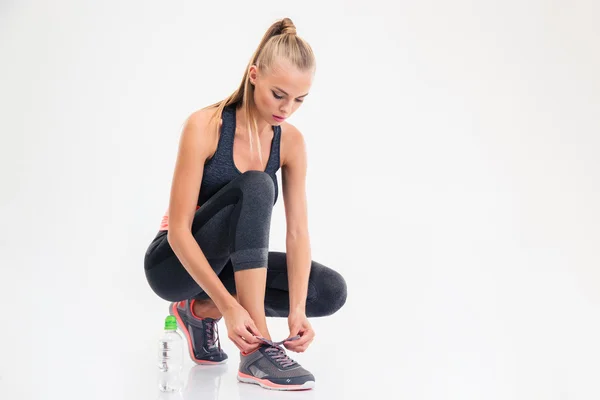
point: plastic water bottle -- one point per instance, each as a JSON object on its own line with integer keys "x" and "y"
{"x": 170, "y": 358}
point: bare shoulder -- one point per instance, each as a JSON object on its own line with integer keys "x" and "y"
{"x": 195, "y": 147}
{"x": 202, "y": 118}
{"x": 292, "y": 143}
{"x": 204, "y": 128}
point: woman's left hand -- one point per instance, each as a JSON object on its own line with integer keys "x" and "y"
{"x": 299, "y": 325}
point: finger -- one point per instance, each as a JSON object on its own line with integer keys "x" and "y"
{"x": 252, "y": 329}
{"x": 249, "y": 337}
{"x": 244, "y": 346}
{"x": 302, "y": 341}
{"x": 294, "y": 336}
{"x": 298, "y": 344}
{"x": 308, "y": 344}
{"x": 251, "y": 343}
{"x": 293, "y": 345}
{"x": 302, "y": 349}
{"x": 294, "y": 330}
{"x": 245, "y": 334}
{"x": 291, "y": 348}
{"x": 290, "y": 345}
{"x": 242, "y": 337}
{"x": 239, "y": 343}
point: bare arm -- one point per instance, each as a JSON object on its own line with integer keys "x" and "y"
{"x": 194, "y": 149}
{"x": 299, "y": 258}
{"x": 297, "y": 239}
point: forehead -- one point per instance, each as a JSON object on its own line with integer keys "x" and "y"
{"x": 289, "y": 78}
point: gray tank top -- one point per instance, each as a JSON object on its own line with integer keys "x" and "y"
{"x": 220, "y": 169}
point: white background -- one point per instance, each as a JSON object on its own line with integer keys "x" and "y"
{"x": 454, "y": 181}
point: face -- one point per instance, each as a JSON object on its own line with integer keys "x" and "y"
{"x": 279, "y": 92}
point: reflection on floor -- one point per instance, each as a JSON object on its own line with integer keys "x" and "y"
{"x": 219, "y": 381}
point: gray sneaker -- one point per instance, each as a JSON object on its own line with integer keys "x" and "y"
{"x": 271, "y": 368}
{"x": 202, "y": 334}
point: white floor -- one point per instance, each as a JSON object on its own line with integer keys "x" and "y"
{"x": 219, "y": 382}
{"x": 521, "y": 346}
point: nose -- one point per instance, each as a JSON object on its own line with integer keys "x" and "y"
{"x": 286, "y": 109}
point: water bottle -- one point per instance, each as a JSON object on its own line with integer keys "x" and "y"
{"x": 170, "y": 358}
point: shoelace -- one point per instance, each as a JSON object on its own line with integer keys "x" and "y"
{"x": 277, "y": 353}
{"x": 212, "y": 333}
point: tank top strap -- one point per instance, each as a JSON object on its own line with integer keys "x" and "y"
{"x": 274, "y": 158}
{"x": 225, "y": 144}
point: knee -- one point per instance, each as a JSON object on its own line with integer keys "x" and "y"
{"x": 331, "y": 293}
{"x": 338, "y": 292}
{"x": 258, "y": 183}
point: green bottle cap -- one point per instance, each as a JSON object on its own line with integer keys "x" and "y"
{"x": 170, "y": 323}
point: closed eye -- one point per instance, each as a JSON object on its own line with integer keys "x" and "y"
{"x": 281, "y": 97}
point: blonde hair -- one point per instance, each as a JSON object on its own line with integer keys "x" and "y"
{"x": 279, "y": 42}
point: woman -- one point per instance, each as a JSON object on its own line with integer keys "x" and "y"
{"x": 210, "y": 257}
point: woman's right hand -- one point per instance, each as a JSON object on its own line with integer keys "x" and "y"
{"x": 241, "y": 329}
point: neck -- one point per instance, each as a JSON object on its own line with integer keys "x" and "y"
{"x": 264, "y": 128}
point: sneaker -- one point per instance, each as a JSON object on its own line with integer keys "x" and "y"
{"x": 202, "y": 334}
{"x": 271, "y": 368}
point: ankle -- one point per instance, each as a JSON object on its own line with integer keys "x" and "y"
{"x": 206, "y": 309}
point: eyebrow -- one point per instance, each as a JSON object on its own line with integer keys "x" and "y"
{"x": 281, "y": 90}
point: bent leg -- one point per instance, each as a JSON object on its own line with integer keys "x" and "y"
{"x": 327, "y": 290}
{"x": 249, "y": 262}
{"x": 234, "y": 223}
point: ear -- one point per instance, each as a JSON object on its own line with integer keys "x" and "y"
{"x": 252, "y": 72}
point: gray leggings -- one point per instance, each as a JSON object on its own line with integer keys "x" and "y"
{"x": 232, "y": 229}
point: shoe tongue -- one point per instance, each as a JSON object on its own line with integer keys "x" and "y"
{"x": 209, "y": 330}
{"x": 275, "y": 350}
{"x": 207, "y": 327}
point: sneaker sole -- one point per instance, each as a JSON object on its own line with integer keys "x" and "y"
{"x": 175, "y": 312}
{"x": 244, "y": 378}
